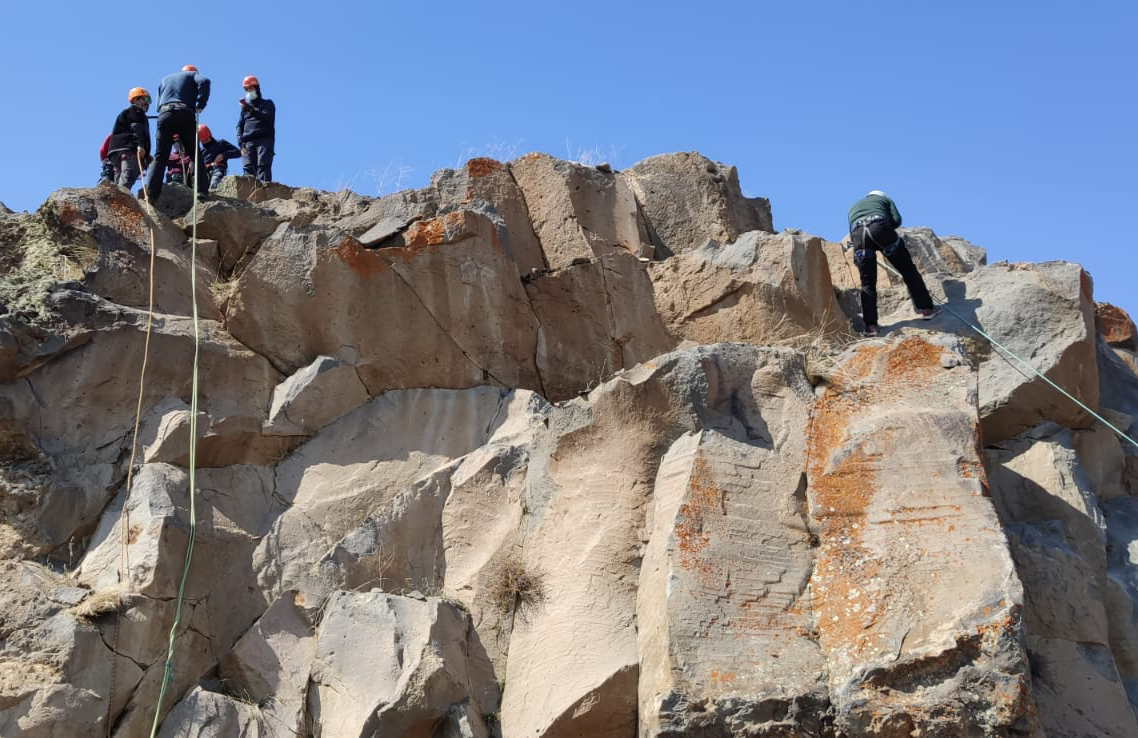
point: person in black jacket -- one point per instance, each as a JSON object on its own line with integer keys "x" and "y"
{"x": 212, "y": 157}
{"x": 181, "y": 96}
{"x": 874, "y": 220}
{"x": 130, "y": 138}
{"x": 257, "y": 131}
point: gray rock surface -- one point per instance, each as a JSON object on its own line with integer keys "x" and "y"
{"x": 688, "y": 199}
{"x": 314, "y": 396}
{"x": 904, "y": 531}
{"x": 454, "y": 479}
{"x": 762, "y": 288}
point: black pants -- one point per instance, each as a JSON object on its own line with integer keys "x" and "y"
{"x": 182, "y": 122}
{"x": 880, "y": 236}
{"x": 257, "y": 157}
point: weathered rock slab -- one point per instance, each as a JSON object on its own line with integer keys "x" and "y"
{"x": 689, "y": 199}
{"x": 905, "y": 531}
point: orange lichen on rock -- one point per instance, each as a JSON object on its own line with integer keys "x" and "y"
{"x": 705, "y": 499}
{"x": 69, "y": 214}
{"x": 482, "y": 166}
{"x": 364, "y": 262}
{"x": 125, "y": 213}
{"x": 1115, "y": 325}
{"x": 914, "y": 357}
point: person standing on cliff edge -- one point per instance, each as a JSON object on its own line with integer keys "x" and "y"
{"x": 257, "y": 131}
{"x": 874, "y": 220}
{"x": 129, "y": 144}
{"x": 181, "y": 96}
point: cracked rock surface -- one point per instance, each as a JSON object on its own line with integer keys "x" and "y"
{"x": 548, "y": 450}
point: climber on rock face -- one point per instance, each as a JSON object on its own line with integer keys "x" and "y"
{"x": 874, "y": 220}
{"x": 257, "y": 131}
{"x": 180, "y": 96}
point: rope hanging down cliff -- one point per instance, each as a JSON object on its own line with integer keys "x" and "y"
{"x": 124, "y": 514}
{"x": 1022, "y": 362}
{"x": 169, "y": 668}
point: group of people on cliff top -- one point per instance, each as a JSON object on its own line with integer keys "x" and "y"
{"x": 182, "y": 96}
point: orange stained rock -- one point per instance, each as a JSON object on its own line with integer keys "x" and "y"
{"x": 436, "y": 231}
{"x": 721, "y": 678}
{"x": 705, "y": 499}
{"x": 364, "y": 262}
{"x": 125, "y": 214}
{"x": 913, "y": 358}
{"x": 482, "y": 166}
{"x": 69, "y": 214}
{"x": 1115, "y": 325}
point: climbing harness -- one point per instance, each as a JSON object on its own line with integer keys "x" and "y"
{"x": 1030, "y": 368}
{"x": 169, "y": 669}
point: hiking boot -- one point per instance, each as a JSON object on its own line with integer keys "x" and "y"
{"x": 870, "y": 331}
{"x": 929, "y": 313}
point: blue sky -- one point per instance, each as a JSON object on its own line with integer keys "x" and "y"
{"x": 1011, "y": 124}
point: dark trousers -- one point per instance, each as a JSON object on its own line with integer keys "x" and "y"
{"x": 880, "y": 236}
{"x": 257, "y": 157}
{"x": 181, "y": 121}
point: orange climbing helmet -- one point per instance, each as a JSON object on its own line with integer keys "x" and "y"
{"x": 189, "y": 68}
{"x": 250, "y": 81}
{"x": 136, "y": 92}
{"x": 204, "y": 134}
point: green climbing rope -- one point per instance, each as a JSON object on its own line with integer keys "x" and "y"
{"x": 169, "y": 671}
{"x": 944, "y": 306}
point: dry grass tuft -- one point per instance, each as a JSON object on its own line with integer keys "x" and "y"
{"x": 517, "y": 591}
{"x": 819, "y": 347}
{"x": 99, "y": 603}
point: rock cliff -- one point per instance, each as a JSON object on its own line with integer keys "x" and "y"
{"x": 549, "y": 450}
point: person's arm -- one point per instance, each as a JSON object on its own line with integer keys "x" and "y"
{"x": 203, "y": 90}
{"x": 895, "y": 213}
{"x": 138, "y": 129}
{"x": 228, "y": 150}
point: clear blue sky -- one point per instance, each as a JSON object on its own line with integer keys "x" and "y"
{"x": 1011, "y": 124}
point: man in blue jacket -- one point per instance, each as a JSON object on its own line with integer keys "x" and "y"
{"x": 212, "y": 156}
{"x": 257, "y": 131}
{"x": 181, "y": 96}
{"x": 874, "y": 220}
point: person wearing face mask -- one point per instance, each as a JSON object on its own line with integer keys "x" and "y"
{"x": 257, "y": 131}
{"x": 130, "y": 139}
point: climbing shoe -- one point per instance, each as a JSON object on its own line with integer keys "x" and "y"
{"x": 929, "y": 313}
{"x": 870, "y": 331}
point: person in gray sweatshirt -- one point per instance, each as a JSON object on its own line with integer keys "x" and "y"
{"x": 181, "y": 96}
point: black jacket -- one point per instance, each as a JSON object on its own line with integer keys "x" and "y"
{"x": 258, "y": 122}
{"x": 131, "y": 131}
{"x": 209, "y": 152}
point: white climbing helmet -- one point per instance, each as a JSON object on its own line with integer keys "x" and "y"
{"x": 879, "y": 193}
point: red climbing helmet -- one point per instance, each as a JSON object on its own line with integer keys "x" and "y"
{"x": 136, "y": 92}
{"x": 204, "y": 134}
{"x": 250, "y": 81}
{"x": 189, "y": 68}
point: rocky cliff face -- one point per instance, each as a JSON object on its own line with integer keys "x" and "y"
{"x": 547, "y": 450}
